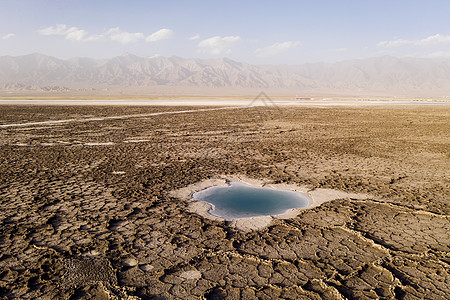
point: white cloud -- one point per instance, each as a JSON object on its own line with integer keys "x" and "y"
{"x": 161, "y": 34}
{"x": 217, "y": 45}
{"x": 439, "y": 54}
{"x": 59, "y": 29}
{"x": 194, "y": 37}
{"x": 276, "y": 49}
{"x": 72, "y": 33}
{"x": 76, "y": 34}
{"x": 8, "y": 36}
{"x": 434, "y": 39}
{"x": 394, "y": 43}
{"x": 428, "y": 41}
{"x": 115, "y": 34}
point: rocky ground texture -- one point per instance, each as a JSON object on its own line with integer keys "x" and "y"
{"x": 86, "y": 212}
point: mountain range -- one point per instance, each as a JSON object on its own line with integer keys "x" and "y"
{"x": 133, "y": 75}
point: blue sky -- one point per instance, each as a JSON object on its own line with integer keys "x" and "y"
{"x": 259, "y": 32}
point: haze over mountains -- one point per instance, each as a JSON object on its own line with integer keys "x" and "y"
{"x": 133, "y": 75}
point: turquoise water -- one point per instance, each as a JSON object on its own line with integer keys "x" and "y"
{"x": 239, "y": 200}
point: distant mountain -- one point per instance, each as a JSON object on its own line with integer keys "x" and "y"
{"x": 382, "y": 76}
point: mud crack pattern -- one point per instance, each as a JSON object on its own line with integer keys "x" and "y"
{"x": 86, "y": 214}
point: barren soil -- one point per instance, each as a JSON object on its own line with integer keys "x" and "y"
{"x": 86, "y": 211}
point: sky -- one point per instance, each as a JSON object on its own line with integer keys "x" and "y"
{"x": 257, "y": 32}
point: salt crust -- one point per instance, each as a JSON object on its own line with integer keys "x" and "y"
{"x": 315, "y": 197}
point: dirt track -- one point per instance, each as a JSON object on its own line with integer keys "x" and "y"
{"x": 85, "y": 209}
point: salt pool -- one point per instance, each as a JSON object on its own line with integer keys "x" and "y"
{"x": 240, "y": 200}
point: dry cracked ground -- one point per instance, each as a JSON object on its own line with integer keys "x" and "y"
{"x": 85, "y": 211}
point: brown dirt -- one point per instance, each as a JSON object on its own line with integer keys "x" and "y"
{"x": 86, "y": 212}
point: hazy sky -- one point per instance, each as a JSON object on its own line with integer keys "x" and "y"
{"x": 259, "y": 32}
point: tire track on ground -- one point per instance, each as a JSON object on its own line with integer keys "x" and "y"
{"x": 57, "y": 122}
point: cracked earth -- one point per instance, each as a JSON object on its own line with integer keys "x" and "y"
{"x": 86, "y": 210}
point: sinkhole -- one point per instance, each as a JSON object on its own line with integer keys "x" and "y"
{"x": 240, "y": 200}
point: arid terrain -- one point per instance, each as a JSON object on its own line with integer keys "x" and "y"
{"x": 86, "y": 211}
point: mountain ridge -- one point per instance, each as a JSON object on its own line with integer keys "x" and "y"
{"x": 383, "y": 76}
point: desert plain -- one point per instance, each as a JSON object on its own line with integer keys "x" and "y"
{"x": 88, "y": 212}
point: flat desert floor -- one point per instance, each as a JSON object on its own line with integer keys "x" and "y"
{"x": 87, "y": 212}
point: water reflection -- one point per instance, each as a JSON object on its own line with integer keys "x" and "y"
{"x": 239, "y": 200}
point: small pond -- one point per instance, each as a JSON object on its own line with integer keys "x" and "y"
{"x": 240, "y": 200}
